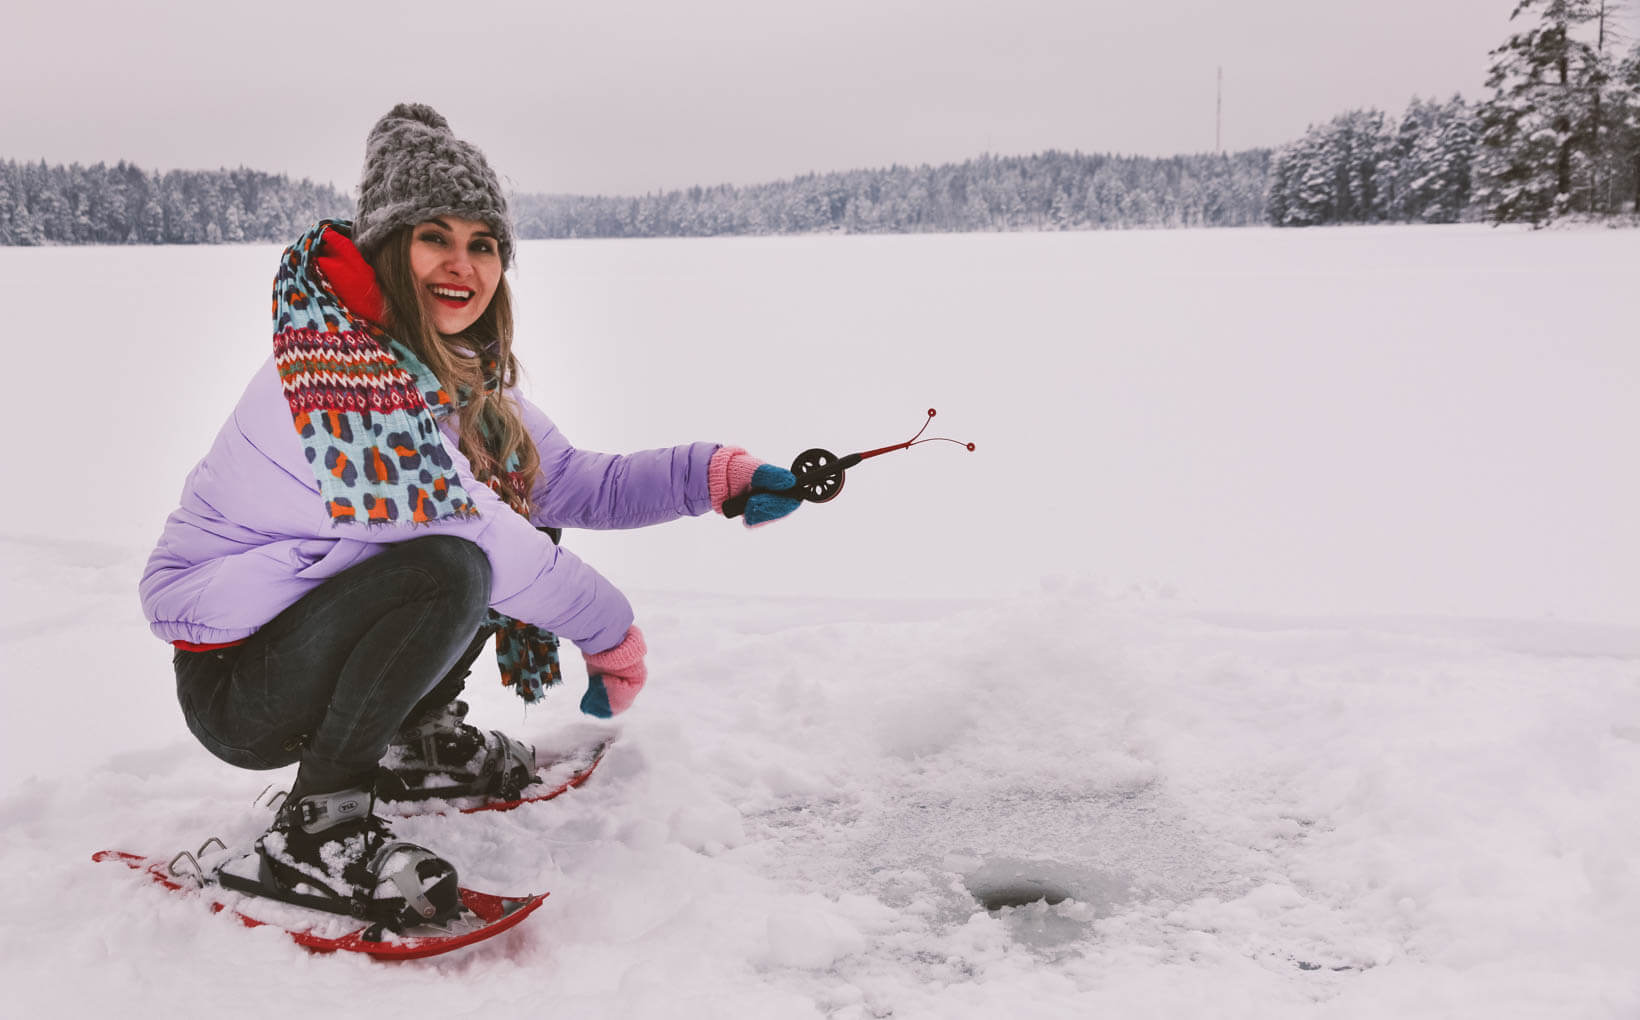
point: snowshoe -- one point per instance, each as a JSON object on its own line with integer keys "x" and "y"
{"x": 201, "y": 873}
{"x": 441, "y": 755}
{"x": 331, "y": 852}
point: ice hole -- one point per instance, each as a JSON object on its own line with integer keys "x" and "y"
{"x": 1013, "y": 882}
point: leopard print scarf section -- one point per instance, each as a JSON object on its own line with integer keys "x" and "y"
{"x": 367, "y": 428}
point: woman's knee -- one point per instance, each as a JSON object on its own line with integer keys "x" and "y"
{"x": 202, "y": 680}
{"x": 461, "y": 566}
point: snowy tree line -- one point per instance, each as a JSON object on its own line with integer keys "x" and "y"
{"x": 124, "y": 204}
{"x": 1047, "y": 191}
{"x": 1559, "y": 135}
{"x": 1362, "y": 168}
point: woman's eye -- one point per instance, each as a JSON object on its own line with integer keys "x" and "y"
{"x": 432, "y": 238}
{"x": 483, "y": 247}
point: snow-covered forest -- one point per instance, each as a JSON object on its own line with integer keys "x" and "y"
{"x": 42, "y": 204}
{"x": 1048, "y": 191}
{"x": 125, "y": 204}
{"x": 1558, "y": 135}
{"x": 1362, "y": 168}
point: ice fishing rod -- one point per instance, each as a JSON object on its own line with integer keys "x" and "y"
{"x": 820, "y": 472}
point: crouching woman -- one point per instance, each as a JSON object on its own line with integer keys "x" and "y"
{"x": 375, "y": 509}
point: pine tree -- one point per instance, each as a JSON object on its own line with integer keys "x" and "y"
{"x": 23, "y": 231}
{"x": 151, "y": 221}
{"x": 6, "y": 206}
{"x": 1281, "y": 187}
{"x": 233, "y": 221}
{"x": 1315, "y": 196}
{"x": 1456, "y": 165}
{"x": 1539, "y": 125}
{"x": 1627, "y": 116}
{"x": 1597, "y": 84}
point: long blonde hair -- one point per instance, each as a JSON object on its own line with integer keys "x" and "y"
{"x": 491, "y": 424}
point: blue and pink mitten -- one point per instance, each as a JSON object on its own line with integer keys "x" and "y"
{"x": 615, "y": 677}
{"x": 733, "y": 472}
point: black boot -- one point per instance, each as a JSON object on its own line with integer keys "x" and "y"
{"x": 439, "y": 754}
{"x": 331, "y": 851}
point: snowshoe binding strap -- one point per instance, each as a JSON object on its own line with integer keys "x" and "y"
{"x": 324, "y": 811}
{"x": 513, "y": 766}
{"x": 437, "y": 904}
{"x": 508, "y": 766}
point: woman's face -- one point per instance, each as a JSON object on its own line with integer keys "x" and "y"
{"x": 456, "y": 264}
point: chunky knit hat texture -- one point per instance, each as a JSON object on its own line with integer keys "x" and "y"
{"x": 415, "y": 168}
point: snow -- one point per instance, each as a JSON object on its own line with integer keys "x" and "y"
{"x": 1284, "y": 629}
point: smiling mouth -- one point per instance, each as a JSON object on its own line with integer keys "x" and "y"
{"x": 452, "y": 297}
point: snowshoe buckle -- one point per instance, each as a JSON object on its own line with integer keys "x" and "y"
{"x": 407, "y": 878}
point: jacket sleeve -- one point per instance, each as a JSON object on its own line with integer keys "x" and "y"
{"x": 601, "y": 491}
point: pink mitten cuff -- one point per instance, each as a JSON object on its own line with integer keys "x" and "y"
{"x": 728, "y": 474}
{"x": 622, "y": 657}
{"x": 618, "y": 675}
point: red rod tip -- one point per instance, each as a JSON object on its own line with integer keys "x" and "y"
{"x": 931, "y": 412}
{"x": 970, "y": 447}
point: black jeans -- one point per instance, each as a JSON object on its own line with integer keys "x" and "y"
{"x": 330, "y": 680}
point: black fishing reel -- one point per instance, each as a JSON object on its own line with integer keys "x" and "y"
{"x": 820, "y": 473}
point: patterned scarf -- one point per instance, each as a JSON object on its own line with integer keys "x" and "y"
{"x": 367, "y": 411}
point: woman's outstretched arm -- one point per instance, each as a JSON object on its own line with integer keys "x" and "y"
{"x": 585, "y": 489}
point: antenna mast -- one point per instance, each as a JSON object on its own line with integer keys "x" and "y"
{"x": 1218, "y": 121}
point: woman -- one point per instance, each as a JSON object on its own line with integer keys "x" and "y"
{"x": 375, "y": 508}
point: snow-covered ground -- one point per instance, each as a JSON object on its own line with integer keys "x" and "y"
{"x": 1286, "y": 623}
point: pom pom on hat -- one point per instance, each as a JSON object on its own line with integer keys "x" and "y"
{"x": 415, "y": 169}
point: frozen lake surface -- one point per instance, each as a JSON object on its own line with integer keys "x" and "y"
{"x": 1278, "y": 650}
{"x": 1384, "y": 420}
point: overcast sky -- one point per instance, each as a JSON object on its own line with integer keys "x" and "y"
{"x": 625, "y": 96}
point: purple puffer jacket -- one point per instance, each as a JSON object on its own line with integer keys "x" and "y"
{"x": 252, "y": 536}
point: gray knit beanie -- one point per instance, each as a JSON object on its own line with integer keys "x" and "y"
{"x": 415, "y": 168}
